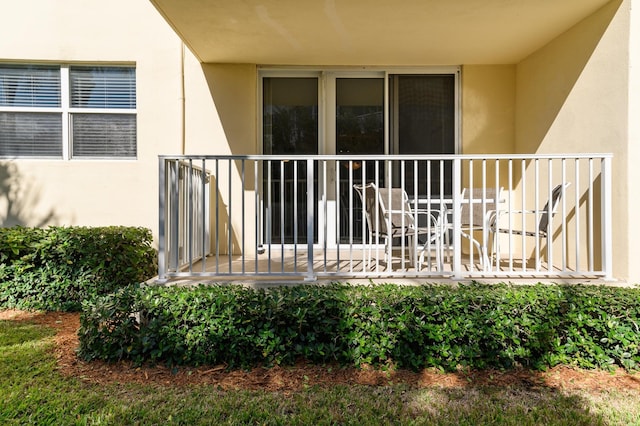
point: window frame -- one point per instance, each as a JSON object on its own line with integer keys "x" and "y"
{"x": 66, "y": 112}
{"x": 326, "y": 100}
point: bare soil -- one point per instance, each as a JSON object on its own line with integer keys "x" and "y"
{"x": 293, "y": 378}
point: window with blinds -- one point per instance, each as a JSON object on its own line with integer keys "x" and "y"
{"x": 103, "y": 94}
{"x": 99, "y": 111}
{"x": 30, "y": 114}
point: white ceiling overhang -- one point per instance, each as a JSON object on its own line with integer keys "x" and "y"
{"x": 371, "y": 32}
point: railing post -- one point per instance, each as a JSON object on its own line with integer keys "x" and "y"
{"x": 162, "y": 215}
{"x": 605, "y": 188}
{"x": 173, "y": 214}
{"x": 310, "y": 221}
{"x": 457, "y": 217}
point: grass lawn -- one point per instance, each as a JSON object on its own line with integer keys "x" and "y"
{"x": 32, "y": 391}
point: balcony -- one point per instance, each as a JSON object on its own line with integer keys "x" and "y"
{"x": 461, "y": 217}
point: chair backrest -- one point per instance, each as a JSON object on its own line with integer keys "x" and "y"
{"x": 472, "y": 202}
{"x": 556, "y": 195}
{"x": 396, "y": 201}
{"x": 374, "y": 198}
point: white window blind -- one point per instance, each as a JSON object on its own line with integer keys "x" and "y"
{"x": 30, "y": 134}
{"x": 29, "y": 86}
{"x": 104, "y": 135}
{"x": 103, "y": 87}
{"x": 30, "y": 115}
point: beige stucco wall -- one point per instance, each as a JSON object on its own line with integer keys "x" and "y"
{"x": 488, "y": 114}
{"x": 571, "y": 96}
{"x": 488, "y": 108}
{"x": 98, "y": 192}
{"x": 633, "y": 158}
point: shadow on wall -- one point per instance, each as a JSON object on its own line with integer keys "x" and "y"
{"x": 18, "y": 199}
{"x": 547, "y": 78}
{"x": 233, "y": 92}
{"x": 224, "y": 239}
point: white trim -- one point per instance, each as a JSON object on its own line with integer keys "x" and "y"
{"x": 65, "y": 102}
{"x": 445, "y": 69}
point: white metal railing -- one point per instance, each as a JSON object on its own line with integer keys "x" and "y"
{"x": 184, "y": 219}
{"x": 465, "y": 216}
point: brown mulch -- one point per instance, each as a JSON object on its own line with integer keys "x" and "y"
{"x": 292, "y": 378}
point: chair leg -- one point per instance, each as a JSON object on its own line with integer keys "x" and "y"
{"x": 494, "y": 244}
{"x": 387, "y": 254}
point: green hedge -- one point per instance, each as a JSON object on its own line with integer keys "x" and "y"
{"x": 57, "y": 268}
{"x": 440, "y": 326}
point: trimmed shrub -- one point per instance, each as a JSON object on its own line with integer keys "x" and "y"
{"x": 476, "y": 326}
{"x": 58, "y": 267}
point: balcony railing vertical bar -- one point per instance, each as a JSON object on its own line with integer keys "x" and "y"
{"x": 403, "y": 219}
{"x": 316, "y": 212}
{"x": 269, "y": 209}
{"x": 549, "y": 229}
{"x": 389, "y": 246}
{"x": 295, "y": 216}
{"x": 363, "y": 222}
{"x": 483, "y": 207}
{"x": 243, "y": 249}
{"x": 606, "y": 218}
{"x": 578, "y": 223}
{"x": 323, "y": 205}
{"x": 336, "y": 214}
{"x": 469, "y": 214}
{"x": 377, "y": 220}
{"x": 456, "y": 216}
{"x": 189, "y": 208}
{"x": 563, "y": 162}
{"x": 310, "y": 220}
{"x": 174, "y": 222}
{"x": 204, "y": 181}
{"x": 282, "y": 220}
{"x": 230, "y": 226}
{"x": 217, "y": 213}
{"x": 590, "y": 232}
{"x": 523, "y": 170}
{"x": 257, "y": 235}
{"x": 162, "y": 220}
{"x": 500, "y": 200}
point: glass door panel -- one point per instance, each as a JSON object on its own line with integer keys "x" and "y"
{"x": 359, "y": 130}
{"x": 290, "y": 126}
{"x": 422, "y": 117}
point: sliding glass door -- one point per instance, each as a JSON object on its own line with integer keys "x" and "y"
{"x": 349, "y": 113}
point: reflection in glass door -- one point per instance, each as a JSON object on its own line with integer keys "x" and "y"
{"x": 359, "y": 130}
{"x": 290, "y": 126}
